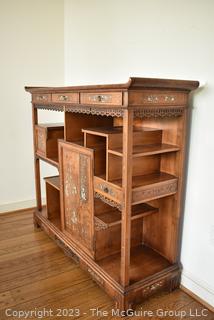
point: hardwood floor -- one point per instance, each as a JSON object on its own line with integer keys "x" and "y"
{"x": 35, "y": 275}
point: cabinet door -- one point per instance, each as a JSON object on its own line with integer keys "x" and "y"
{"x": 77, "y": 201}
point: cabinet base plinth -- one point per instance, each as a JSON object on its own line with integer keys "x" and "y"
{"x": 124, "y": 298}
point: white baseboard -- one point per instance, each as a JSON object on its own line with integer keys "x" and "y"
{"x": 199, "y": 287}
{"x": 7, "y": 207}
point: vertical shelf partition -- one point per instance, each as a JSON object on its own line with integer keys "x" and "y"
{"x": 115, "y": 206}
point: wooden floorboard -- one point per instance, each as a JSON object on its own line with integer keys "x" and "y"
{"x": 35, "y": 274}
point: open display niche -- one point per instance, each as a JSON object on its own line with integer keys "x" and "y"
{"x": 53, "y": 200}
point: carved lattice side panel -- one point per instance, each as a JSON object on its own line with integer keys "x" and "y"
{"x": 76, "y": 165}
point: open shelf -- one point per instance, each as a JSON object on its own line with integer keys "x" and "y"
{"x": 103, "y": 131}
{"x": 53, "y": 200}
{"x": 55, "y": 221}
{"x": 114, "y": 130}
{"x": 113, "y": 216}
{"x": 146, "y": 150}
{"x": 144, "y": 262}
{"x": 54, "y": 162}
{"x": 53, "y": 181}
{"x": 146, "y": 180}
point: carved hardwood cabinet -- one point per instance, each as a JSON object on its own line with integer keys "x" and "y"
{"x": 116, "y": 205}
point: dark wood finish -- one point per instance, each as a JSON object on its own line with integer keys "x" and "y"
{"x": 117, "y": 210}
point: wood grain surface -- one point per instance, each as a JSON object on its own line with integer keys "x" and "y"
{"x": 35, "y": 273}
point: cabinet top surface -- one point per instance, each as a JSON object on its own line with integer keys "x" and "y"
{"x": 133, "y": 83}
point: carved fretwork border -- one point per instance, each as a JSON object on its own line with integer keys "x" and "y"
{"x": 50, "y": 107}
{"x": 163, "y": 112}
{"x": 144, "y": 112}
{"x": 99, "y": 111}
{"x": 108, "y": 201}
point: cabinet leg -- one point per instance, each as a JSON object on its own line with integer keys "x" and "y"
{"x": 123, "y": 306}
{"x": 175, "y": 282}
{"x": 36, "y": 224}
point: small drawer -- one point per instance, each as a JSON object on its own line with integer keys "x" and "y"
{"x": 157, "y": 98}
{"x": 66, "y": 97}
{"x": 110, "y": 98}
{"x": 158, "y": 190}
{"x": 108, "y": 189}
{"x": 41, "y": 97}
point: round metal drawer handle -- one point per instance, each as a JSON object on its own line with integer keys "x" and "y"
{"x": 63, "y": 98}
{"x": 105, "y": 189}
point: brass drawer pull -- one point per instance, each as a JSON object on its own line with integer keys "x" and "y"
{"x": 169, "y": 98}
{"x": 40, "y": 98}
{"x": 63, "y": 98}
{"x": 105, "y": 189}
{"x": 100, "y": 98}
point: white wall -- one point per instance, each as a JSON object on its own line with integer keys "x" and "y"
{"x": 32, "y": 53}
{"x": 107, "y": 41}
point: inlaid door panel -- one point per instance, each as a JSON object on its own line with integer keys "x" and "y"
{"x": 77, "y": 205}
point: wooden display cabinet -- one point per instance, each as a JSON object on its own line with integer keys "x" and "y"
{"x": 116, "y": 206}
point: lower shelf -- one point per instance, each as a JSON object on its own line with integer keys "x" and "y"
{"x": 144, "y": 263}
{"x": 52, "y": 161}
{"x": 56, "y": 222}
{"x": 162, "y": 276}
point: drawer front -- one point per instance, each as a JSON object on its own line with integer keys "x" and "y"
{"x": 158, "y": 98}
{"x": 154, "y": 192}
{"x": 41, "y": 138}
{"x": 108, "y": 190}
{"x": 41, "y": 97}
{"x": 110, "y": 98}
{"x": 66, "y": 97}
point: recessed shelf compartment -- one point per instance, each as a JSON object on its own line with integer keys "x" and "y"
{"x": 147, "y": 150}
{"x": 53, "y": 200}
{"x": 113, "y": 216}
{"x": 144, "y": 262}
{"x": 107, "y": 162}
{"x": 107, "y": 228}
{"x": 46, "y": 139}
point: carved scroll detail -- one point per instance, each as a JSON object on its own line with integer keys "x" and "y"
{"x": 158, "y": 112}
{"x": 108, "y": 201}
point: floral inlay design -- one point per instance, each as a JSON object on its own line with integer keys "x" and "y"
{"x": 41, "y": 145}
{"x": 83, "y": 164}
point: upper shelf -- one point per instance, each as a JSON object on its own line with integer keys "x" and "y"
{"x": 133, "y": 83}
{"x": 146, "y": 141}
{"x": 147, "y": 150}
{"x": 53, "y": 181}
